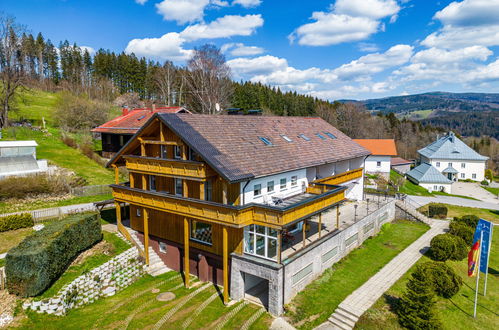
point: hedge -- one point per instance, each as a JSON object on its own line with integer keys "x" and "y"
{"x": 16, "y": 221}
{"x": 462, "y": 230}
{"x": 42, "y": 258}
{"x": 437, "y": 211}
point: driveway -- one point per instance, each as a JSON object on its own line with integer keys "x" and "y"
{"x": 423, "y": 200}
{"x": 472, "y": 189}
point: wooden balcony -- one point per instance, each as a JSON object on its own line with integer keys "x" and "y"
{"x": 168, "y": 167}
{"x": 235, "y": 216}
{"x": 342, "y": 177}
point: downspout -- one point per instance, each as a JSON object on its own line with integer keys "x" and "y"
{"x": 244, "y": 188}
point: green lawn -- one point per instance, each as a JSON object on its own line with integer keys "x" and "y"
{"x": 452, "y": 195}
{"x": 9, "y": 239}
{"x": 409, "y": 188}
{"x": 42, "y": 204}
{"x": 459, "y": 211}
{"x": 50, "y": 147}
{"x": 318, "y": 300}
{"x": 491, "y": 190}
{"x": 455, "y": 313}
{"x": 34, "y": 105}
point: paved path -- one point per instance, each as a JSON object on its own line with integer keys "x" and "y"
{"x": 423, "y": 200}
{"x": 364, "y": 297}
{"x": 475, "y": 190}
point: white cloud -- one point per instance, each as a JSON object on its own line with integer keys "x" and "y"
{"x": 466, "y": 23}
{"x": 331, "y": 29}
{"x": 441, "y": 56}
{"x": 240, "y": 49}
{"x": 485, "y": 74}
{"x": 374, "y": 9}
{"x": 257, "y": 66}
{"x": 247, "y": 3}
{"x": 168, "y": 47}
{"x": 182, "y": 11}
{"x": 367, "y": 47}
{"x": 89, "y": 49}
{"x": 223, "y": 27}
{"x": 141, "y": 2}
{"x": 347, "y": 20}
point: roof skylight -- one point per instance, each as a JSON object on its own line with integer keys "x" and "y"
{"x": 304, "y": 137}
{"x": 331, "y": 135}
{"x": 286, "y": 138}
{"x": 320, "y": 136}
{"x": 265, "y": 140}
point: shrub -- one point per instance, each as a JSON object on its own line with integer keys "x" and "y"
{"x": 416, "y": 307}
{"x": 447, "y": 246}
{"x": 484, "y": 183}
{"x": 41, "y": 258}
{"x": 489, "y": 174}
{"x": 16, "y": 221}
{"x": 20, "y": 187}
{"x": 462, "y": 230}
{"x": 469, "y": 220}
{"x": 446, "y": 282}
{"x": 75, "y": 113}
{"x": 437, "y": 211}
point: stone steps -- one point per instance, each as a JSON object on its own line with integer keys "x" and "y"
{"x": 156, "y": 265}
{"x": 343, "y": 318}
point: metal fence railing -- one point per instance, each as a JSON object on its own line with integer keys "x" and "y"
{"x": 91, "y": 190}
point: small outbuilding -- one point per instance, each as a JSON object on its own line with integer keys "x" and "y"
{"x": 401, "y": 165}
{"x": 429, "y": 178}
{"x": 18, "y": 158}
{"x": 382, "y": 151}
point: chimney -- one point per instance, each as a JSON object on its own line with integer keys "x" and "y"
{"x": 124, "y": 111}
{"x": 153, "y": 107}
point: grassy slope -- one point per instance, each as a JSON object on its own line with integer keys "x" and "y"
{"x": 41, "y": 204}
{"x": 459, "y": 211}
{"x": 34, "y": 105}
{"x": 317, "y": 302}
{"x": 494, "y": 191}
{"x": 455, "y": 313}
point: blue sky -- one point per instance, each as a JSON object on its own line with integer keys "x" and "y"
{"x": 331, "y": 49}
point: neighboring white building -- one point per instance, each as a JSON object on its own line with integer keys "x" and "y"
{"x": 382, "y": 151}
{"x": 454, "y": 159}
{"x": 18, "y": 158}
{"x": 429, "y": 178}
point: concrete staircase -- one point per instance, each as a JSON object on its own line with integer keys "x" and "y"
{"x": 343, "y": 318}
{"x": 411, "y": 210}
{"x": 156, "y": 265}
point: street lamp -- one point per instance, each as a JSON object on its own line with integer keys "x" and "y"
{"x": 355, "y": 216}
{"x": 367, "y": 205}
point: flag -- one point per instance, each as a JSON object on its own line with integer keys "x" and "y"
{"x": 473, "y": 259}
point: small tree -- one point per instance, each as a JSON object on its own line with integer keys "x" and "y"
{"x": 446, "y": 246}
{"x": 469, "y": 220}
{"x": 75, "y": 113}
{"x": 462, "y": 230}
{"x": 446, "y": 282}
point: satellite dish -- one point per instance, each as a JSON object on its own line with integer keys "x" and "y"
{"x": 217, "y": 107}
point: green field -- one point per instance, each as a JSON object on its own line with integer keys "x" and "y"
{"x": 459, "y": 211}
{"x": 455, "y": 313}
{"x": 491, "y": 190}
{"x": 35, "y": 105}
{"x": 319, "y": 299}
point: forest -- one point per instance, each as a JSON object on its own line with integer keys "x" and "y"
{"x": 107, "y": 77}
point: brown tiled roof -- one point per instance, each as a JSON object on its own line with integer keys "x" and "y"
{"x": 379, "y": 147}
{"x": 232, "y": 145}
{"x": 400, "y": 161}
{"x": 130, "y": 122}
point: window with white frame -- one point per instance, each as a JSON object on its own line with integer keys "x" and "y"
{"x": 283, "y": 184}
{"x": 435, "y": 187}
{"x": 270, "y": 187}
{"x": 152, "y": 182}
{"x": 162, "y": 247}
{"x": 208, "y": 190}
{"x": 201, "y": 232}
{"x": 473, "y": 176}
{"x": 294, "y": 181}
{"x": 164, "y": 151}
{"x": 378, "y": 164}
{"x": 438, "y": 164}
{"x": 463, "y": 165}
{"x": 450, "y": 165}
{"x": 179, "y": 187}
{"x": 462, "y": 175}
{"x": 260, "y": 241}
{"x": 257, "y": 190}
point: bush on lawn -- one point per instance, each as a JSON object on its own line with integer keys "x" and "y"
{"x": 437, "y": 211}
{"x": 41, "y": 258}
{"x": 469, "y": 220}
{"x": 16, "y": 221}
{"x": 462, "y": 230}
{"x": 485, "y": 183}
{"x": 446, "y": 246}
{"x": 417, "y": 305}
{"x": 446, "y": 282}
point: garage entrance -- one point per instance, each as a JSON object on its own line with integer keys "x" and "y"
{"x": 256, "y": 290}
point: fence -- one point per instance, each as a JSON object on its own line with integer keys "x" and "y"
{"x": 57, "y": 212}
{"x": 3, "y": 278}
{"x": 91, "y": 190}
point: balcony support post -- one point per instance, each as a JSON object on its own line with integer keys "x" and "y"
{"x": 303, "y": 231}
{"x": 338, "y": 216}
{"x": 201, "y": 191}
{"x": 116, "y": 174}
{"x": 224, "y": 192}
{"x": 118, "y": 213}
{"x": 279, "y": 246}
{"x": 226, "y": 265}
{"x": 142, "y": 149}
{"x": 144, "y": 182}
{"x": 185, "y": 188}
{"x": 186, "y": 252}
{"x": 132, "y": 180}
{"x": 320, "y": 224}
{"x": 146, "y": 235}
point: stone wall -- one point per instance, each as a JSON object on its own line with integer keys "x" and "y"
{"x": 102, "y": 281}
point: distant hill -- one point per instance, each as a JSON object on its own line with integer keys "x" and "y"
{"x": 471, "y": 114}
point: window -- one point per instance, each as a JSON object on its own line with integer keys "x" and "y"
{"x": 286, "y": 138}
{"x": 162, "y": 247}
{"x": 270, "y": 186}
{"x": 320, "y": 136}
{"x": 265, "y": 140}
{"x": 260, "y": 241}
{"x": 473, "y": 176}
{"x": 122, "y": 140}
{"x": 294, "y": 181}
{"x": 332, "y": 136}
{"x": 177, "y": 154}
{"x": 179, "y": 187}
{"x": 257, "y": 190}
{"x": 435, "y": 187}
{"x": 192, "y": 154}
{"x": 438, "y": 164}
{"x": 164, "y": 151}
{"x": 108, "y": 139}
{"x": 463, "y": 165}
{"x": 462, "y": 175}
{"x": 450, "y": 165}
{"x": 152, "y": 182}
{"x": 304, "y": 137}
{"x": 139, "y": 212}
{"x": 283, "y": 184}
{"x": 201, "y": 232}
{"x": 208, "y": 191}
{"x": 378, "y": 164}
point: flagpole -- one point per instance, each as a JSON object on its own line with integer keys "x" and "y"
{"x": 478, "y": 272}
{"x": 488, "y": 257}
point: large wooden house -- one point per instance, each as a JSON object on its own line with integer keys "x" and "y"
{"x": 203, "y": 189}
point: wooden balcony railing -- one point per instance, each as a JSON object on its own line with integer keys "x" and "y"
{"x": 168, "y": 167}
{"x": 237, "y": 216}
{"x": 342, "y": 177}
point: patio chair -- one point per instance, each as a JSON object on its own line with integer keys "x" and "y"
{"x": 277, "y": 200}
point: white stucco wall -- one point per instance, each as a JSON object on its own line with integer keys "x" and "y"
{"x": 431, "y": 187}
{"x": 372, "y": 164}
{"x": 470, "y": 168}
